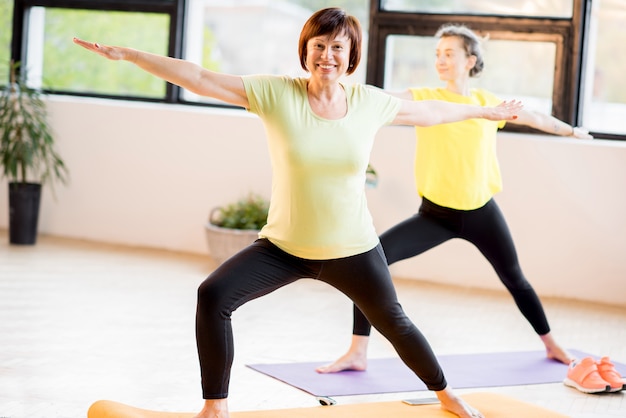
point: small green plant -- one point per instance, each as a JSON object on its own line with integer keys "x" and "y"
{"x": 247, "y": 213}
{"x": 371, "y": 176}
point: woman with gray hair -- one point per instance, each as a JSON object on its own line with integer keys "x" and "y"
{"x": 457, "y": 174}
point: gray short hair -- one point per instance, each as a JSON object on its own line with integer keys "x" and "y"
{"x": 471, "y": 43}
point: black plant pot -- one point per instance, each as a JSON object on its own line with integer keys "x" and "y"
{"x": 24, "y": 201}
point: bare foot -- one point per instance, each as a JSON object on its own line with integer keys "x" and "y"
{"x": 354, "y": 359}
{"x": 555, "y": 351}
{"x": 457, "y": 406}
{"x": 348, "y": 361}
{"x": 214, "y": 408}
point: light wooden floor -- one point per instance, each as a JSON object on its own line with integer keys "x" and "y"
{"x": 83, "y": 321}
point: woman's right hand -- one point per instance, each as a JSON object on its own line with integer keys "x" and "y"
{"x": 581, "y": 133}
{"x": 115, "y": 53}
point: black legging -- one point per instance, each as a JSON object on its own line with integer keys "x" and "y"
{"x": 262, "y": 268}
{"x": 485, "y": 228}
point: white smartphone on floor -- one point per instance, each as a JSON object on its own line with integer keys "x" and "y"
{"x": 421, "y": 401}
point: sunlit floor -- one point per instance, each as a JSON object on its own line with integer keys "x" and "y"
{"x": 84, "y": 321}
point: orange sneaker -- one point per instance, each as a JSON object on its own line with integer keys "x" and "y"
{"x": 607, "y": 372}
{"x": 584, "y": 376}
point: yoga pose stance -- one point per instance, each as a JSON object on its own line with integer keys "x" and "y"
{"x": 457, "y": 174}
{"x": 320, "y": 134}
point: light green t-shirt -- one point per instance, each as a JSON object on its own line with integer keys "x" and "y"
{"x": 456, "y": 165}
{"x": 318, "y": 209}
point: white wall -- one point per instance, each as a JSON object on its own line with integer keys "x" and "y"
{"x": 148, "y": 175}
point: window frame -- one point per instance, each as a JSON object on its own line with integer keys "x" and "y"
{"x": 566, "y": 33}
{"x": 174, "y": 8}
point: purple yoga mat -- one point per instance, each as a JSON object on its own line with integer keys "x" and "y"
{"x": 389, "y": 375}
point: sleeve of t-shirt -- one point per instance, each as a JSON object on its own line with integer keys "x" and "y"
{"x": 262, "y": 91}
{"x": 387, "y": 106}
{"x": 422, "y": 94}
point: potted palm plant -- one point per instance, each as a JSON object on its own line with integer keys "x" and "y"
{"x": 232, "y": 227}
{"x": 27, "y": 154}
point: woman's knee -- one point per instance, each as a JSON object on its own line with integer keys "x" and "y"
{"x": 512, "y": 277}
{"x": 391, "y": 320}
{"x": 212, "y": 293}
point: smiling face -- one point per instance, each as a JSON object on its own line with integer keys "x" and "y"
{"x": 332, "y": 30}
{"x": 328, "y": 57}
{"x": 453, "y": 63}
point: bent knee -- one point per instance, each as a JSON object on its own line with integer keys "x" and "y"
{"x": 210, "y": 294}
{"x": 396, "y": 323}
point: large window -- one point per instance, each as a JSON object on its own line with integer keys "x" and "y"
{"x": 42, "y": 41}
{"x": 563, "y": 57}
{"x": 234, "y": 36}
{"x": 87, "y": 72}
{"x": 410, "y": 62}
{"x": 268, "y": 42}
{"x": 604, "y": 106}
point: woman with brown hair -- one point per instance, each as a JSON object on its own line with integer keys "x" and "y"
{"x": 320, "y": 134}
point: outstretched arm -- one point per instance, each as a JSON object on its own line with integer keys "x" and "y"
{"x": 190, "y": 76}
{"x": 434, "y": 112}
{"x": 550, "y": 124}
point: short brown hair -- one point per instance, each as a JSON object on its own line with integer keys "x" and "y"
{"x": 332, "y": 22}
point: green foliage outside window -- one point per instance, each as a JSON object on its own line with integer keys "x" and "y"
{"x": 69, "y": 68}
{"x": 208, "y": 45}
{"x": 6, "y": 25}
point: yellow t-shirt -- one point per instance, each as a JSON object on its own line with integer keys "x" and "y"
{"x": 318, "y": 209}
{"x": 456, "y": 165}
